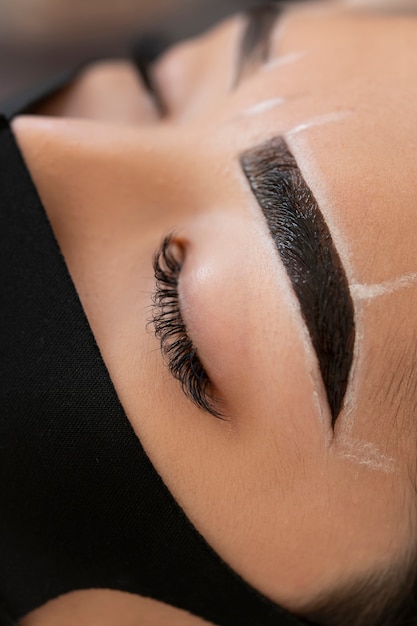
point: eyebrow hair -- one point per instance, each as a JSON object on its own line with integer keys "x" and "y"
{"x": 307, "y": 251}
{"x": 255, "y": 43}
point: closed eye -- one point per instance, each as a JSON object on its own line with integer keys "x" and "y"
{"x": 178, "y": 350}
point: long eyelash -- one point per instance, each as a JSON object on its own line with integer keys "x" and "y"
{"x": 176, "y": 347}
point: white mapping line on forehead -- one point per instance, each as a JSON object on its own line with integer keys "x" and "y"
{"x": 367, "y": 292}
{"x": 286, "y": 59}
{"x": 320, "y": 120}
{"x": 358, "y": 451}
{"x": 366, "y": 454}
{"x": 265, "y": 105}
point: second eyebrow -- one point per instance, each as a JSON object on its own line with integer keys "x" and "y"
{"x": 305, "y": 246}
{"x": 256, "y": 39}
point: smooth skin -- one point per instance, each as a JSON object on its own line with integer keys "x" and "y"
{"x": 294, "y": 508}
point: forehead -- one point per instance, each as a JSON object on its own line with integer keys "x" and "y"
{"x": 358, "y": 71}
{"x": 347, "y": 84}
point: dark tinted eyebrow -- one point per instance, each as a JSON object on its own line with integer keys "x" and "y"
{"x": 255, "y": 43}
{"x": 306, "y": 248}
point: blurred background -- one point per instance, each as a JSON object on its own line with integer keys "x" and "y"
{"x": 41, "y": 37}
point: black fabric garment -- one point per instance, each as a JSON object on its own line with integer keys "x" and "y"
{"x": 81, "y": 505}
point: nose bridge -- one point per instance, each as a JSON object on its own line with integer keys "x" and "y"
{"x": 176, "y": 171}
{"x": 108, "y": 180}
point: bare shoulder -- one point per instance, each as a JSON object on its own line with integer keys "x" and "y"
{"x": 108, "y": 608}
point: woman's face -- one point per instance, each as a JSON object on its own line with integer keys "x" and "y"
{"x": 293, "y": 505}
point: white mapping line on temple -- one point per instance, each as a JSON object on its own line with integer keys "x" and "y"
{"x": 367, "y": 454}
{"x": 266, "y": 105}
{"x": 286, "y": 59}
{"x": 367, "y": 292}
{"x": 336, "y": 116}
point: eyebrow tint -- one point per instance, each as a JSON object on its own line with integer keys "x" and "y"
{"x": 307, "y": 251}
{"x": 256, "y": 39}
